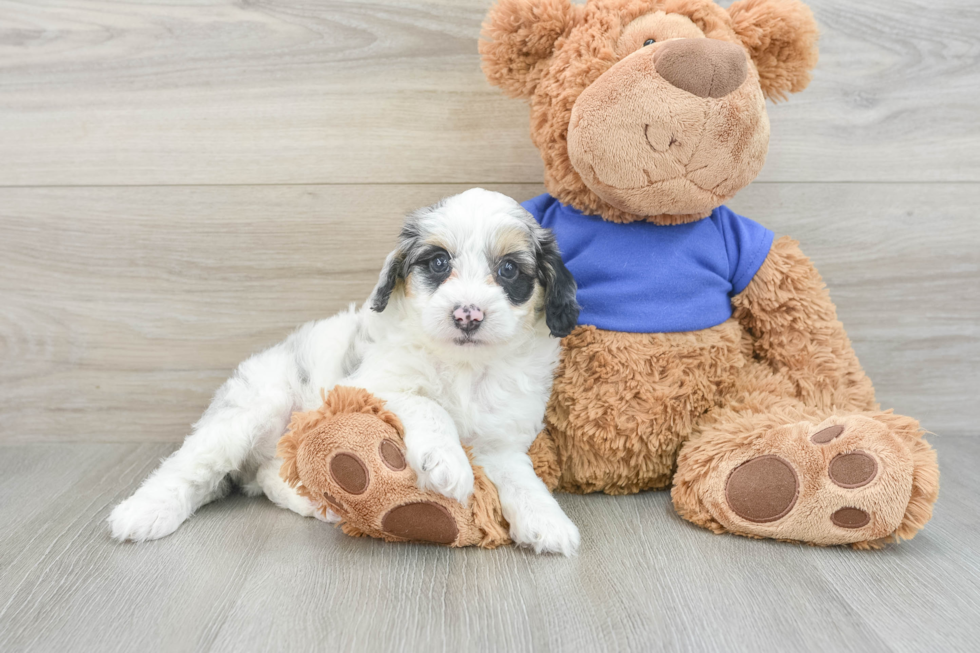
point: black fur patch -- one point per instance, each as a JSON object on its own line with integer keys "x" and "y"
{"x": 399, "y": 261}
{"x": 561, "y": 309}
{"x": 519, "y": 289}
{"x": 390, "y": 275}
{"x": 420, "y": 267}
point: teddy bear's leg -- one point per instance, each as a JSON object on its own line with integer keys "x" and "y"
{"x": 794, "y": 473}
{"x": 622, "y": 404}
{"x": 348, "y": 457}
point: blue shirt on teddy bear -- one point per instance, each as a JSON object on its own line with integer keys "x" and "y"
{"x": 646, "y": 278}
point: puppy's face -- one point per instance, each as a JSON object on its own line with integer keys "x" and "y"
{"x": 476, "y": 270}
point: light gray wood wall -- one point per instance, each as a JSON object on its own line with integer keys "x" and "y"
{"x": 181, "y": 184}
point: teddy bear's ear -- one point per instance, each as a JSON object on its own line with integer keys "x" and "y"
{"x": 519, "y": 36}
{"x": 781, "y": 36}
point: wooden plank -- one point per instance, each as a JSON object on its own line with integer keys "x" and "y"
{"x": 123, "y": 309}
{"x": 898, "y": 588}
{"x": 244, "y": 575}
{"x": 889, "y": 73}
{"x": 130, "y": 305}
{"x": 64, "y": 585}
{"x": 294, "y": 91}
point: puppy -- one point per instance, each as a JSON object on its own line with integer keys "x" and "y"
{"x": 460, "y": 338}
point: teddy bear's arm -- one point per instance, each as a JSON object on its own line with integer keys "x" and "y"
{"x": 787, "y": 310}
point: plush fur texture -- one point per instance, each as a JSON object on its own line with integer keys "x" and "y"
{"x": 648, "y": 147}
{"x": 701, "y": 150}
{"x": 484, "y": 386}
{"x": 707, "y": 462}
{"x": 624, "y": 403}
{"x": 636, "y": 118}
{"x": 782, "y": 41}
{"x": 353, "y": 422}
{"x": 520, "y": 39}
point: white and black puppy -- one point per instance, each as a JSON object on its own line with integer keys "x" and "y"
{"x": 458, "y": 337}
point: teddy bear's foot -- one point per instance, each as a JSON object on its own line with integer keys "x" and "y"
{"x": 348, "y": 457}
{"x": 849, "y": 480}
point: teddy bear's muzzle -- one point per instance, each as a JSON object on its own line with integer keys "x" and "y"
{"x": 671, "y": 130}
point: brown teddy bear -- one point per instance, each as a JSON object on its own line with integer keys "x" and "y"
{"x": 708, "y": 356}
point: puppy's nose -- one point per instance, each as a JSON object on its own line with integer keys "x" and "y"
{"x": 704, "y": 67}
{"x": 467, "y": 318}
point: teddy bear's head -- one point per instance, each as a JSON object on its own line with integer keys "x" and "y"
{"x": 649, "y": 109}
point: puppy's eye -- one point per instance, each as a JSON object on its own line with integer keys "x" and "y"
{"x": 439, "y": 264}
{"x": 507, "y": 271}
{"x": 649, "y": 42}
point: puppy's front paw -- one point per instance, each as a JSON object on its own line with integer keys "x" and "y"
{"x": 147, "y": 516}
{"x": 546, "y": 529}
{"x": 445, "y": 470}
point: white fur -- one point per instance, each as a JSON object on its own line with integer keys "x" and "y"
{"x": 489, "y": 393}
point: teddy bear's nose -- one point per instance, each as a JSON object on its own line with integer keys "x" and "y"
{"x": 704, "y": 67}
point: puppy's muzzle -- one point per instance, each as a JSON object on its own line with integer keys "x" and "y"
{"x": 467, "y": 318}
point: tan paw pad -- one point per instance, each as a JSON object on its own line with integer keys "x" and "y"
{"x": 391, "y": 455}
{"x": 829, "y": 484}
{"x": 350, "y": 473}
{"x": 422, "y": 521}
{"x": 850, "y": 518}
{"x": 823, "y": 436}
{"x": 763, "y": 489}
{"x": 851, "y": 470}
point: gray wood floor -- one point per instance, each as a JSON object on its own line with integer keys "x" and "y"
{"x": 243, "y": 575}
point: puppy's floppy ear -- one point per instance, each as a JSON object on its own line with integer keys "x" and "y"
{"x": 561, "y": 309}
{"x": 391, "y": 274}
{"x": 399, "y": 261}
{"x": 781, "y": 37}
{"x": 519, "y": 36}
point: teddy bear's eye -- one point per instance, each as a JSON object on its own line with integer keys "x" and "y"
{"x": 649, "y": 42}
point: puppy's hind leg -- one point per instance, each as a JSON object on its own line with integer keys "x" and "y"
{"x": 251, "y": 409}
{"x": 284, "y": 496}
